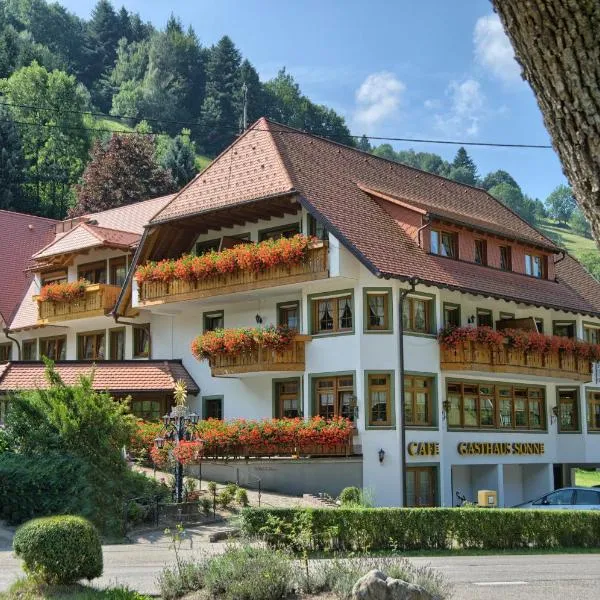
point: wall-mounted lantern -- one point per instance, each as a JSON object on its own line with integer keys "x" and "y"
{"x": 381, "y": 454}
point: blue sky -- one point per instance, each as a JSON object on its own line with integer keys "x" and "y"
{"x": 400, "y": 68}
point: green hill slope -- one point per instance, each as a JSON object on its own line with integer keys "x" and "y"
{"x": 572, "y": 242}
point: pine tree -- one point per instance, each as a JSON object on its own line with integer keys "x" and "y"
{"x": 178, "y": 155}
{"x": 220, "y": 116}
{"x": 123, "y": 171}
{"x": 12, "y": 164}
{"x": 364, "y": 144}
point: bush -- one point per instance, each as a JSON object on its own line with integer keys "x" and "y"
{"x": 206, "y": 506}
{"x": 61, "y": 550}
{"x": 178, "y": 581}
{"x": 231, "y": 489}
{"x": 211, "y": 486}
{"x": 350, "y": 495}
{"x": 427, "y": 528}
{"x": 224, "y": 499}
{"x": 241, "y": 497}
{"x": 248, "y": 573}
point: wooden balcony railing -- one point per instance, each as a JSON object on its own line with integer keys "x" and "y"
{"x": 315, "y": 267}
{"x": 99, "y": 299}
{"x": 471, "y": 356}
{"x": 261, "y": 359}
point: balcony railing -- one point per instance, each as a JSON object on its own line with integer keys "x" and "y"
{"x": 262, "y": 360}
{"x": 472, "y": 356}
{"x": 315, "y": 267}
{"x": 98, "y": 300}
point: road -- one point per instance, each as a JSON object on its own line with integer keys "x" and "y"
{"x": 504, "y": 577}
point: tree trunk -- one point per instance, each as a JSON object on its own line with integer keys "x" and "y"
{"x": 557, "y": 43}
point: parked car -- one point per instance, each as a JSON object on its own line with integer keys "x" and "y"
{"x": 574, "y": 498}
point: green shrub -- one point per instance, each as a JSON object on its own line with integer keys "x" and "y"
{"x": 350, "y": 495}
{"x": 206, "y": 506}
{"x": 60, "y": 550}
{"x": 231, "y": 489}
{"x": 224, "y": 499}
{"x": 211, "y": 486}
{"x": 248, "y": 573}
{"x": 179, "y": 581}
{"x": 241, "y": 497}
{"x": 427, "y": 528}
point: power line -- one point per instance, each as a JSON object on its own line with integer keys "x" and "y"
{"x": 286, "y": 131}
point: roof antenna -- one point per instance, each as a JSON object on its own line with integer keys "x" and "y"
{"x": 245, "y": 117}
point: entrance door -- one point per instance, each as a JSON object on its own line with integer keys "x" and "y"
{"x": 421, "y": 483}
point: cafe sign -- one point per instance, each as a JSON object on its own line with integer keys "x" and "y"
{"x": 423, "y": 448}
{"x": 500, "y": 449}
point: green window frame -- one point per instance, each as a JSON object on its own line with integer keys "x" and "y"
{"x": 564, "y": 327}
{"x": 416, "y": 321}
{"x": 336, "y": 309}
{"x": 285, "y": 316}
{"x": 591, "y": 332}
{"x": 567, "y": 401}
{"x": 485, "y": 317}
{"x": 451, "y": 314}
{"x": 377, "y": 310}
{"x": 142, "y": 343}
{"x": 116, "y": 347}
{"x": 273, "y": 233}
{"x": 29, "y": 350}
{"x": 213, "y": 404}
{"x": 412, "y": 389}
{"x": 92, "y": 343}
{"x": 54, "y": 347}
{"x": 379, "y": 386}
{"x": 285, "y": 391}
{"x": 5, "y": 352}
{"x": 338, "y": 390}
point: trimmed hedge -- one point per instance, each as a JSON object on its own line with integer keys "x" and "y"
{"x": 425, "y": 528}
{"x": 61, "y": 550}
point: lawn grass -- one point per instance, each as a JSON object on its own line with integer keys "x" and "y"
{"x": 587, "y": 478}
{"x": 30, "y": 589}
{"x": 575, "y": 244}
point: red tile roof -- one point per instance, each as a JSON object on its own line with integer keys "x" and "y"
{"x": 126, "y": 376}
{"x": 271, "y": 159}
{"x": 22, "y": 236}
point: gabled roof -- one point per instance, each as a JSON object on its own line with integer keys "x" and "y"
{"x": 22, "y": 235}
{"x": 330, "y": 180}
{"x": 117, "y": 377}
{"x": 84, "y": 237}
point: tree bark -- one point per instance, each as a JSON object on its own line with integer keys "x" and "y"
{"x": 557, "y": 44}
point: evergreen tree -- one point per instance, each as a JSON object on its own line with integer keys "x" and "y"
{"x": 123, "y": 171}
{"x": 178, "y": 155}
{"x": 364, "y": 144}
{"x": 515, "y": 200}
{"x": 463, "y": 168}
{"x": 12, "y": 164}
{"x": 220, "y": 116}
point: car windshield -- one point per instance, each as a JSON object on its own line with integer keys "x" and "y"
{"x": 560, "y": 497}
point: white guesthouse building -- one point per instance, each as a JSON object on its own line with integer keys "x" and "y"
{"x": 472, "y": 419}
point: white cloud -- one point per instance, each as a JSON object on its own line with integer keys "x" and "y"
{"x": 378, "y": 98}
{"x": 432, "y": 104}
{"x": 493, "y": 50}
{"x": 466, "y": 108}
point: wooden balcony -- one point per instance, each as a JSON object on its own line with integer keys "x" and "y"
{"x": 316, "y": 267}
{"x": 262, "y": 360}
{"x": 98, "y": 300}
{"x": 471, "y": 356}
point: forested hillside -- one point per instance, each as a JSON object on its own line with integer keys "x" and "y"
{"x": 111, "y": 110}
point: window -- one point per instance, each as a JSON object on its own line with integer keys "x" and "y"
{"x": 29, "y": 349}
{"x": 332, "y": 315}
{"x": 535, "y": 265}
{"x": 591, "y": 334}
{"x": 421, "y": 483}
{"x": 418, "y": 392}
{"x": 505, "y": 316}
{"x": 5, "y": 352}
{"x": 564, "y": 328}
{"x": 494, "y": 406}
{"x": 480, "y": 252}
{"x": 451, "y": 315}
{"x": 587, "y": 497}
{"x": 484, "y": 318}
{"x": 54, "y": 277}
{"x": 91, "y": 346}
{"x": 334, "y": 397}
{"x": 54, "y": 348}
{"x": 444, "y": 243}
{"x": 558, "y": 498}
{"x": 141, "y": 341}
{"x": 506, "y": 258}
{"x": 317, "y": 229}
{"x": 92, "y": 272}
{"x": 287, "y": 399}
{"x": 568, "y": 418}
{"x": 379, "y": 400}
{"x": 416, "y": 314}
{"x": 213, "y": 320}
{"x": 377, "y": 310}
{"x": 593, "y": 411}
{"x": 118, "y": 270}
{"x": 207, "y": 246}
{"x": 539, "y": 323}
{"x": 285, "y": 231}
{"x": 149, "y": 410}
{"x": 212, "y": 407}
{"x": 117, "y": 344}
{"x": 288, "y": 315}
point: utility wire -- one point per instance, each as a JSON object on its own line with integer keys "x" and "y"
{"x": 274, "y": 130}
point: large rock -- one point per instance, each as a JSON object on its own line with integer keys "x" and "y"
{"x": 376, "y": 586}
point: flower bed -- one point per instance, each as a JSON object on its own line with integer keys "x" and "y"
{"x": 518, "y": 339}
{"x": 269, "y": 437}
{"x": 232, "y": 342}
{"x": 63, "y": 292}
{"x": 243, "y": 257}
